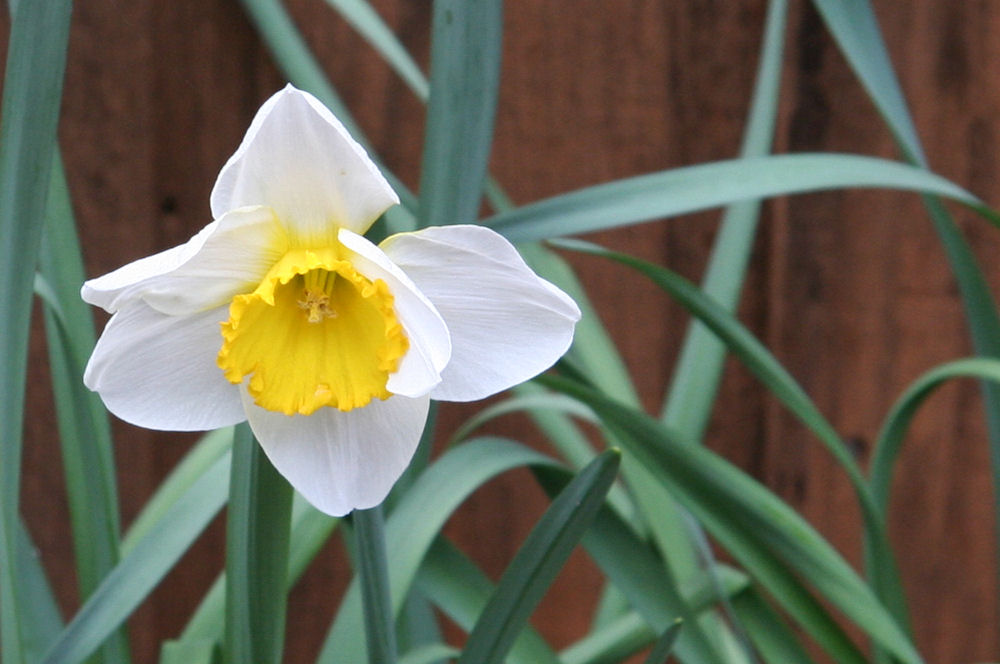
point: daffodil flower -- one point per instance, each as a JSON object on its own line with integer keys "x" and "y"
{"x": 281, "y": 313}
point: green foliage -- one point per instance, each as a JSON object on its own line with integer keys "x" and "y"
{"x": 539, "y": 559}
{"x": 36, "y": 61}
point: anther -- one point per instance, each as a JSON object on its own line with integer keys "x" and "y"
{"x": 316, "y": 305}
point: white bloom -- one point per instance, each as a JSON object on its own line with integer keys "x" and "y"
{"x": 279, "y": 312}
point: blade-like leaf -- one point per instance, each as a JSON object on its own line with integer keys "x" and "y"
{"x": 370, "y": 25}
{"x": 141, "y": 570}
{"x": 310, "y": 530}
{"x": 772, "y": 638}
{"x": 599, "y": 359}
{"x": 415, "y": 522}
{"x": 465, "y": 75}
{"x": 614, "y": 642}
{"x": 665, "y": 644}
{"x": 855, "y": 27}
{"x": 417, "y": 624}
{"x": 645, "y": 580}
{"x": 456, "y": 585}
{"x": 429, "y": 654}
{"x": 84, "y": 429}
{"x": 211, "y": 447}
{"x": 897, "y": 422}
{"x": 190, "y": 652}
{"x": 88, "y": 469}
{"x": 539, "y": 559}
{"x": 693, "y": 188}
{"x": 257, "y": 540}
{"x": 36, "y": 62}
{"x": 755, "y": 526}
{"x": 43, "y": 621}
{"x": 531, "y": 400}
{"x": 763, "y": 365}
{"x": 688, "y": 402}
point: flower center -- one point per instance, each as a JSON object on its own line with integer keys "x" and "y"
{"x": 316, "y": 295}
{"x": 314, "y": 333}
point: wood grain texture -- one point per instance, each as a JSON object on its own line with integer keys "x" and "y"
{"x": 849, "y": 289}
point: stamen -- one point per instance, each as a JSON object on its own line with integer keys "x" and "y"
{"x": 317, "y": 306}
{"x": 316, "y": 292}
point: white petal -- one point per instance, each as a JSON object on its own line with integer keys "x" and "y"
{"x": 507, "y": 324}
{"x": 430, "y": 346}
{"x": 159, "y": 371}
{"x": 298, "y": 159}
{"x": 340, "y": 461}
{"x": 113, "y": 289}
{"x": 229, "y": 256}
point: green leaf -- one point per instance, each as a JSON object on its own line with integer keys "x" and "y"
{"x": 772, "y": 542}
{"x": 531, "y": 400}
{"x": 141, "y": 570}
{"x": 693, "y": 188}
{"x": 897, "y": 422}
{"x": 614, "y": 642}
{"x": 465, "y": 76}
{"x": 415, "y": 522}
{"x": 771, "y": 636}
{"x": 417, "y": 624}
{"x": 635, "y": 568}
{"x": 84, "y": 430}
{"x": 88, "y": 470}
{"x": 257, "y": 541}
{"x": 665, "y": 644}
{"x": 539, "y": 559}
{"x": 36, "y": 62}
{"x": 209, "y": 449}
{"x": 572, "y": 444}
{"x": 692, "y": 392}
{"x": 370, "y": 25}
{"x": 376, "y": 602}
{"x": 190, "y": 652}
{"x": 428, "y": 654}
{"x": 43, "y": 621}
{"x": 599, "y": 359}
{"x": 770, "y": 372}
{"x": 855, "y": 27}
{"x": 592, "y": 346}
{"x": 456, "y": 585}
{"x": 310, "y": 530}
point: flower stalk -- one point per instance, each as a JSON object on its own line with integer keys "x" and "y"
{"x": 257, "y": 541}
{"x": 376, "y": 601}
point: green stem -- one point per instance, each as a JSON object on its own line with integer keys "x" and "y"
{"x": 260, "y": 507}
{"x": 380, "y": 633}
